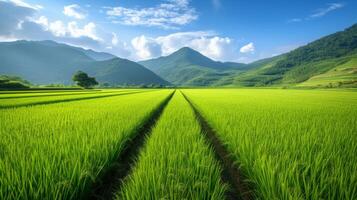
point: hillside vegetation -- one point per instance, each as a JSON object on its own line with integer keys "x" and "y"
{"x": 328, "y": 62}
{"x": 48, "y": 62}
{"x": 309, "y": 64}
{"x": 188, "y": 67}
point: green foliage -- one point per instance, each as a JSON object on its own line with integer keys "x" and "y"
{"x": 57, "y": 151}
{"x": 188, "y": 67}
{"x": 13, "y": 83}
{"x": 305, "y": 62}
{"x": 47, "y": 62}
{"x": 16, "y": 100}
{"x": 176, "y": 162}
{"x": 333, "y": 46}
{"x": 344, "y": 74}
{"x": 121, "y": 71}
{"x": 82, "y": 79}
{"x": 291, "y": 144}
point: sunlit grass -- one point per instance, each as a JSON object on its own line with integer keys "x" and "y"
{"x": 176, "y": 162}
{"x": 44, "y": 94}
{"x": 21, "y": 101}
{"x": 56, "y": 151}
{"x": 292, "y": 144}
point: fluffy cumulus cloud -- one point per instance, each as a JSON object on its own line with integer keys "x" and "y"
{"x": 20, "y": 20}
{"x": 70, "y": 29}
{"x": 207, "y": 43}
{"x": 146, "y": 47}
{"x": 74, "y": 11}
{"x": 169, "y": 15}
{"x": 248, "y": 48}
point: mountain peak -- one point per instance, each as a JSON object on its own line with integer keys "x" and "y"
{"x": 186, "y": 51}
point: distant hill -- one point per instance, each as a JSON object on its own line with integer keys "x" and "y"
{"x": 45, "y": 62}
{"x": 188, "y": 67}
{"x": 329, "y": 61}
{"x": 98, "y": 56}
{"x": 122, "y": 71}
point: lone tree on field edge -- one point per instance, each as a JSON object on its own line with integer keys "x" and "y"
{"x": 82, "y": 79}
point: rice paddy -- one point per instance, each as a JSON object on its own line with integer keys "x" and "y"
{"x": 288, "y": 144}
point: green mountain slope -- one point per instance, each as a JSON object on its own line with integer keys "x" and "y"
{"x": 98, "y": 56}
{"x": 304, "y": 63}
{"x": 44, "y": 62}
{"x": 122, "y": 71}
{"x": 188, "y": 67}
{"x": 342, "y": 75}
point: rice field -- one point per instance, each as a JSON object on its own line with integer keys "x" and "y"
{"x": 286, "y": 144}
{"x": 291, "y": 144}
{"x": 56, "y": 151}
{"x": 176, "y": 162}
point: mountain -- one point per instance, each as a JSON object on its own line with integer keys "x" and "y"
{"x": 330, "y": 61}
{"x": 122, "y": 71}
{"x": 44, "y": 62}
{"x": 98, "y": 56}
{"x": 188, "y": 67}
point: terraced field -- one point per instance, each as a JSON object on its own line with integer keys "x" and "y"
{"x": 183, "y": 144}
{"x": 341, "y": 75}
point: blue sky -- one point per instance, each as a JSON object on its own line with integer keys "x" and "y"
{"x": 227, "y": 30}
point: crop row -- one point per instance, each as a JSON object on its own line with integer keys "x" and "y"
{"x": 17, "y": 102}
{"x": 47, "y": 94}
{"x": 291, "y": 144}
{"x": 57, "y": 151}
{"x": 176, "y": 162}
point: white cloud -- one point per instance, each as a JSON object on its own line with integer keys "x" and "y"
{"x": 88, "y": 30}
{"x": 319, "y": 12}
{"x": 75, "y": 11}
{"x": 57, "y": 28}
{"x": 207, "y": 43}
{"x": 115, "y": 39}
{"x": 168, "y": 15}
{"x": 19, "y": 22}
{"x": 248, "y": 48}
{"x": 323, "y": 11}
{"x": 26, "y": 5}
{"x": 12, "y": 16}
{"x": 146, "y": 47}
{"x": 72, "y": 29}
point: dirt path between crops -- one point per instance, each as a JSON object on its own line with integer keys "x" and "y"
{"x": 112, "y": 180}
{"x": 231, "y": 173}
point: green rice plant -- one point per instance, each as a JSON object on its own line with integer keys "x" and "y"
{"x": 42, "y": 91}
{"x": 57, "y": 151}
{"x": 291, "y": 144}
{"x": 176, "y": 162}
{"x": 45, "y": 94}
{"x": 9, "y": 103}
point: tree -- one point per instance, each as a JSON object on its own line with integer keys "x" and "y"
{"x": 12, "y": 82}
{"x": 82, "y": 79}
